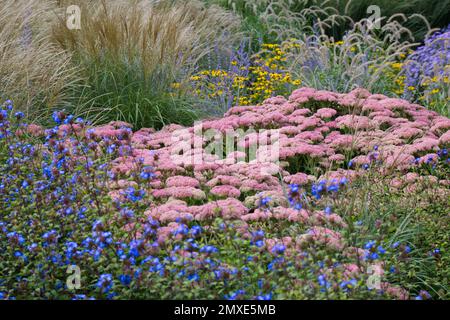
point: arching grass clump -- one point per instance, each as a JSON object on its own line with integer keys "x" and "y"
{"x": 135, "y": 56}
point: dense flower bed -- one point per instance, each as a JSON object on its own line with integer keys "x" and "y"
{"x": 141, "y": 223}
{"x": 245, "y": 78}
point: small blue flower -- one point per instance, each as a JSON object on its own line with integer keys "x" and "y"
{"x": 264, "y": 297}
{"x": 333, "y": 188}
{"x": 57, "y": 117}
{"x": 323, "y": 281}
{"x": 111, "y": 148}
{"x": 193, "y": 277}
{"x": 15, "y": 238}
{"x": 196, "y": 230}
{"x": 19, "y": 115}
{"x": 134, "y": 195}
{"x": 32, "y": 247}
{"x": 147, "y": 173}
{"x": 105, "y": 283}
{"x": 423, "y": 295}
{"x": 294, "y": 188}
{"x": 218, "y": 274}
{"x": 369, "y": 245}
{"x": 208, "y": 249}
{"x": 373, "y": 256}
{"x": 235, "y": 295}
{"x": 3, "y": 114}
{"x": 182, "y": 229}
{"x": 126, "y": 213}
{"x": 135, "y": 245}
{"x": 68, "y": 119}
{"x": 278, "y": 248}
{"x": 348, "y": 285}
{"x": 259, "y": 243}
{"x": 125, "y": 279}
{"x": 265, "y": 201}
{"x": 258, "y": 234}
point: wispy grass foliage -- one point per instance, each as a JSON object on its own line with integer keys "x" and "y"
{"x": 35, "y": 73}
{"x": 361, "y": 59}
{"x": 262, "y": 15}
{"x": 436, "y": 12}
{"x": 131, "y": 54}
{"x": 410, "y": 222}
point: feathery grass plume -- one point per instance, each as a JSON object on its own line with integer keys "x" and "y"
{"x": 361, "y": 59}
{"x": 267, "y": 20}
{"x": 255, "y": 13}
{"x": 34, "y": 73}
{"x": 436, "y": 12}
{"x": 136, "y": 56}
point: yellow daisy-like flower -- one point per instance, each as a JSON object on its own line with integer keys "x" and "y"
{"x": 397, "y": 65}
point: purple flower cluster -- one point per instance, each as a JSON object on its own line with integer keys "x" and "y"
{"x": 428, "y": 63}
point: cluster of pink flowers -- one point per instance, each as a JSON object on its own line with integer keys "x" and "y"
{"x": 320, "y": 127}
{"x": 339, "y": 135}
{"x": 317, "y": 127}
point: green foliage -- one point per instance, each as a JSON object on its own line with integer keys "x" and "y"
{"x": 411, "y": 224}
{"x": 33, "y": 72}
{"x": 116, "y": 90}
